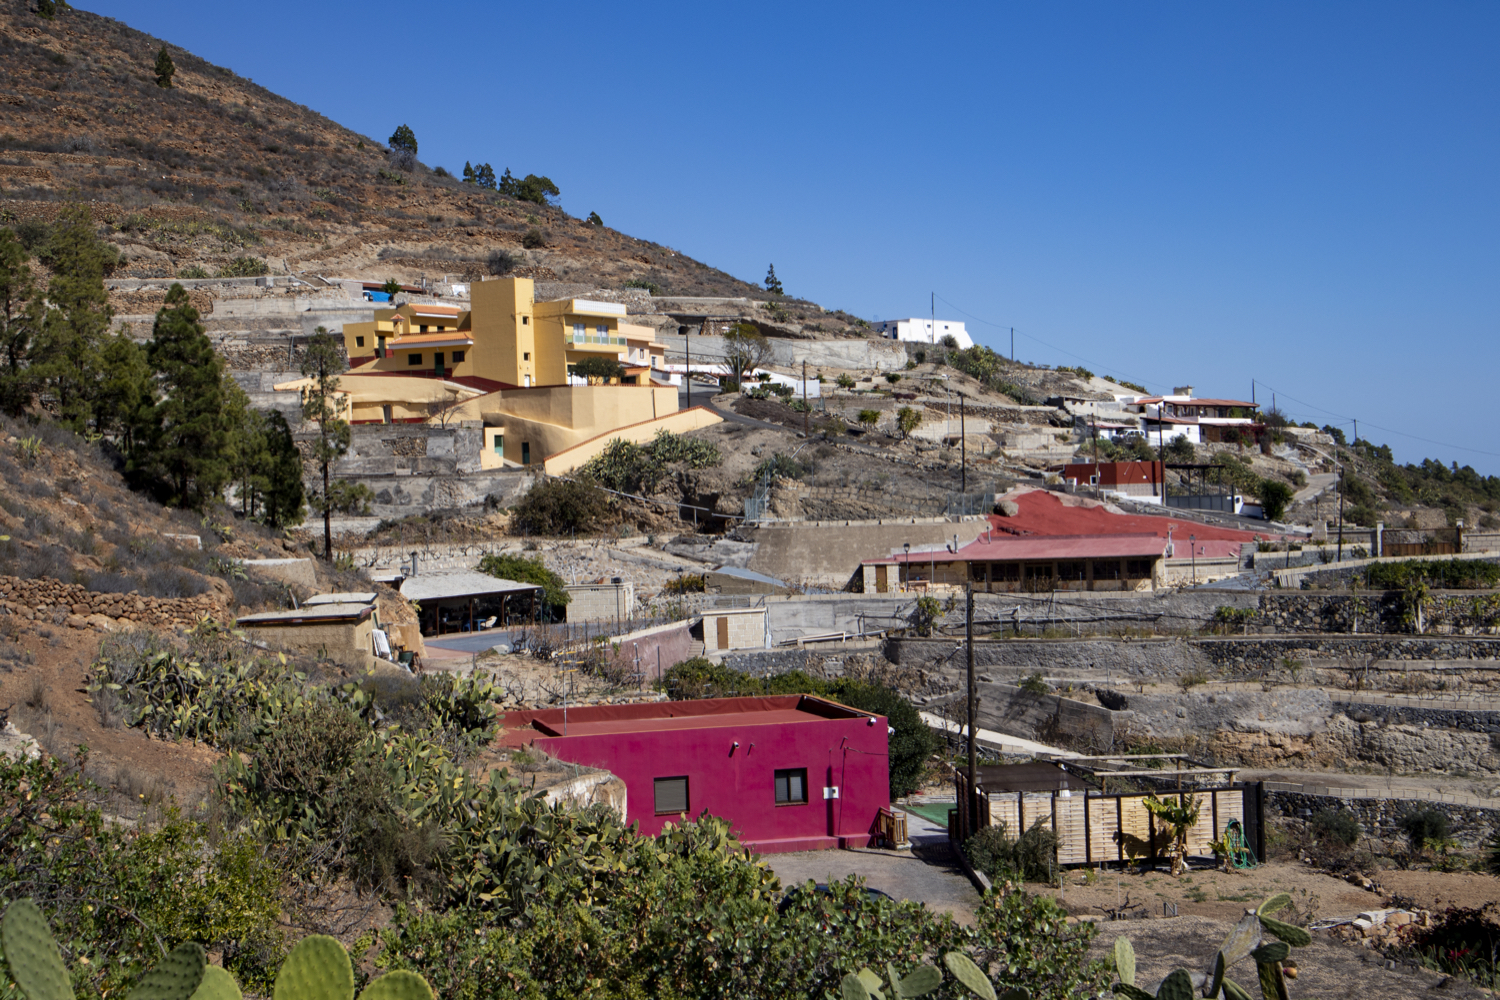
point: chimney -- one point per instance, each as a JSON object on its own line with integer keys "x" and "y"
{"x": 1183, "y": 390}
{"x": 414, "y": 564}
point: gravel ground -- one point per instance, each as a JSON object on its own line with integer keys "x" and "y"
{"x": 1326, "y": 968}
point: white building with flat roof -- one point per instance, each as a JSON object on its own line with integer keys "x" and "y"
{"x": 924, "y": 331}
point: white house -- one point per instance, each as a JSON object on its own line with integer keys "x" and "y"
{"x": 923, "y": 331}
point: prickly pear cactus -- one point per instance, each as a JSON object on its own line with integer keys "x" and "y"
{"x": 966, "y": 972}
{"x": 1125, "y": 960}
{"x": 1177, "y": 986}
{"x": 399, "y": 985}
{"x": 175, "y": 977}
{"x": 217, "y": 985}
{"x": 32, "y": 954}
{"x": 317, "y": 969}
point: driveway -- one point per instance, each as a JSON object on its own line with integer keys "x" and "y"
{"x": 928, "y": 873}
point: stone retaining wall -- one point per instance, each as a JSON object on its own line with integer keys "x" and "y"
{"x": 1446, "y": 611}
{"x": 58, "y": 603}
{"x": 1471, "y": 826}
{"x": 1473, "y": 720}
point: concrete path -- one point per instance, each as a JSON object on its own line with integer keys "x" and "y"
{"x": 928, "y": 873}
{"x": 998, "y": 741}
{"x": 1316, "y": 484}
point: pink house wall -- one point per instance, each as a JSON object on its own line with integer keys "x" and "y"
{"x": 738, "y": 783}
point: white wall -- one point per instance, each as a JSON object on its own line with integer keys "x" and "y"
{"x": 922, "y": 331}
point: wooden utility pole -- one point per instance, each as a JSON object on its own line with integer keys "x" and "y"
{"x": 804, "y": 397}
{"x": 688, "y": 375}
{"x": 963, "y": 449}
{"x": 973, "y": 804}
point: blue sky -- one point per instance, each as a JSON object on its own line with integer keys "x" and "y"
{"x": 1301, "y": 194}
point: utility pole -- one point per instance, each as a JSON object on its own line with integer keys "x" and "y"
{"x": 687, "y": 376}
{"x": 973, "y": 804}
{"x": 804, "y": 397}
{"x": 1338, "y": 469}
{"x": 1012, "y": 345}
{"x": 963, "y": 449}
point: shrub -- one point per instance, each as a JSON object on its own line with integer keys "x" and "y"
{"x": 194, "y": 271}
{"x": 502, "y": 262}
{"x": 892, "y": 377}
{"x": 845, "y": 381}
{"x": 1425, "y": 828}
{"x": 1034, "y": 684}
{"x": 869, "y": 418}
{"x": 687, "y": 583}
{"x": 524, "y": 570}
{"x": 533, "y": 240}
{"x": 1336, "y": 826}
{"x": 1032, "y": 856}
{"x": 908, "y": 419}
{"x": 244, "y": 267}
{"x": 1274, "y": 497}
{"x": 563, "y": 507}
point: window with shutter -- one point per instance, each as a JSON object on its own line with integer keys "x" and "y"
{"x": 671, "y": 796}
{"x": 791, "y": 786}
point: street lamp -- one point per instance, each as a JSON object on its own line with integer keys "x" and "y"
{"x": 906, "y": 584}
{"x": 1192, "y": 545}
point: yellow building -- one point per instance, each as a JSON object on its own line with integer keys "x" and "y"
{"x": 506, "y": 363}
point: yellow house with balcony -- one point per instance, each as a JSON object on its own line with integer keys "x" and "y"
{"x": 505, "y": 363}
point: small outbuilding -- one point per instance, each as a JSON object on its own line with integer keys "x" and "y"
{"x": 470, "y": 601}
{"x": 320, "y": 629}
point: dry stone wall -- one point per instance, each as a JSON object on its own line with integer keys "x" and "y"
{"x": 57, "y": 603}
{"x": 1471, "y": 826}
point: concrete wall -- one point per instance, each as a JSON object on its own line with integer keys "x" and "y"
{"x": 681, "y": 422}
{"x": 880, "y": 355}
{"x": 653, "y": 651}
{"x": 828, "y": 553}
{"x": 591, "y": 602}
{"x": 1005, "y": 708}
{"x": 297, "y": 571}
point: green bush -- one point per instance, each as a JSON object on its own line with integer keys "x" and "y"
{"x": 1032, "y": 856}
{"x": 1274, "y": 497}
{"x": 1440, "y": 574}
{"x": 533, "y": 239}
{"x": 244, "y": 267}
{"x": 1425, "y": 828}
{"x": 643, "y": 468}
{"x": 524, "y": 570}
{"x": 1336, "y": 825}
{"x": 563, "y": 507}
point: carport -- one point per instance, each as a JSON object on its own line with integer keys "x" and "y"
{"x": 469, "y": 601}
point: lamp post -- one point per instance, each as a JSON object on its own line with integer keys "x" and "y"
{"x": 1193, "y": 548}
{"x": 906, "y": 584}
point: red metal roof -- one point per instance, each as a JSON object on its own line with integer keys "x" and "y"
{"x": 1044, "y": 513}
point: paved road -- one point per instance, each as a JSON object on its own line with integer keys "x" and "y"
{"x": 928, "y": 873}
{"x": 1316, "y": 483}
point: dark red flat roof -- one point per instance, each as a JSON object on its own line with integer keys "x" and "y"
{"x": 520, "y": 728}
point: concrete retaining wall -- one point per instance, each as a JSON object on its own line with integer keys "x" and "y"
{"x": 1048, "y": 718}
{"x": 827, "y": 553}
{"x": 878, "y": 355}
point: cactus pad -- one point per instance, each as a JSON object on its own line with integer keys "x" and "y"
{"x": 850, "y": 988}
{"x": 921, "y": 982}
{"x": 175, "y": 977}
{"x": 1234, "y": 991}
{"x": 1216, "y": 977}
{"x": 1125, "y": 960}
{"x": 1291, "y": 934}
{"x": 398, "y": 985}
{"x": 1273, "y": 903}
{"x": 1131, "y": 991}
{"x": 1177, "y": 986}
{"x": 966, "y": 972}
{"x": 217, "y": 985}
{"x": 32, "y": 954}
{"x": 317, "y": 969}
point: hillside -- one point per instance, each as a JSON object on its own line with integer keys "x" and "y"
{"x": 218, "y": 168}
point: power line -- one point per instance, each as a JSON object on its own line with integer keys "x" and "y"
{"x": 1414, "y": 437}
{"x": 1038, "y": 340}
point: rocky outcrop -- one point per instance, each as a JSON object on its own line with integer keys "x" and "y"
{"x": 1346, "y": 744}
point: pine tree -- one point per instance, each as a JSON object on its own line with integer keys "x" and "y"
{"x": 404, "y": 139}
{"x": 21, "y": 312}
{"x": 164, "y": 69}
{"x": 484, "y": 175}
{"x": 188, "y": 457}
{"x": 773, "y": 283}
{"x": 66, "y": 363}
{"x": 127, "y": 392}
{"x": 46, "y": 9}
{"x": 282, "y": 473}
{"x": 321, "y": 402}
{"x": 468, "y": 172}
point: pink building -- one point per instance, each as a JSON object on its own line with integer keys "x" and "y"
{"x": 792, "y": 773}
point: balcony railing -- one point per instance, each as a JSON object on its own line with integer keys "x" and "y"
{"x": 594, "y": 338}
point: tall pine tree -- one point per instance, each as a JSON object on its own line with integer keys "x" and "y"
{"x": 187, "y": 459}
{"x": 66, "y": 362}
{"x": 282, "y": 493}
{"x": 322, "y": 405}
{"x": 21, "y": 312}
{"x": 165, "y": 69}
